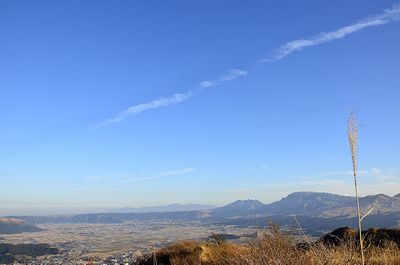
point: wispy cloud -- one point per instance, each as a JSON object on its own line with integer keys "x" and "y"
{"x": 161, "y": 175}
{"x": 230, "y": 75}
{"x": 388, "y": 16}
{"x": 373, "y": 181}
{"x": 264, "y": 166}
{"x": 340, "y": 173}
{"x": 117, "y": 183}
{"x": 175, "y": 99}
{"x": 96, "y": 178}
{"x": 154, "y": 104}
{"x": 384, "y": 175}
{"x": 178, "y": 172}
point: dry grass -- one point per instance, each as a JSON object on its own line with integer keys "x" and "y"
{"x": 273, "y": 249}
{"x": 353, "y": 141}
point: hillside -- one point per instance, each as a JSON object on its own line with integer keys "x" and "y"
{"x": 276, "y": 247}
{"x": 315, "y": 204}
{"x": 308, "y": 203}
{"x": 382, "y": 204}
{"x": 240, "y": 208}
{"x": 14, "y": 226}
{"x": 9, "y": 251}
{"x": 332, "y": 205}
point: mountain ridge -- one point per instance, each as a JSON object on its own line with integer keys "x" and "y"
{"x": 174, "y": 207}
{"x": 309, "y": 204}
{"x": 239, "y": 207}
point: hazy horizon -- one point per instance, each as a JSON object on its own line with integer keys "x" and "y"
{"x": 55, "y": 210}
{"x": 131, "y": 104}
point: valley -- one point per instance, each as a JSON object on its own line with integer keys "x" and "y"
{"x": 102, "y": 236}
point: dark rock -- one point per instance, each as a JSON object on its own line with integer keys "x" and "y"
{"x": 6, "y": 259}
{"x": 339, "y": 236}
{"x": 379, "y": 237}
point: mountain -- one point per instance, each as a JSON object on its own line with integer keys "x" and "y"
{"x": 315, "y": 204}
{"x": 240, "y": 208}
{"x": 176, "y": 207}
{"x": 397, "y": 196}
{"x": 332, "y": 205}
{"x": 381, "y": 203}
{"x": 14, "y": 226}
{"x": 308, "y": 203}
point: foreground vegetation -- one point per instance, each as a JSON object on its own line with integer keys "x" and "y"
{"x": 275, "y": 248}
{"x": 9, "y": 251}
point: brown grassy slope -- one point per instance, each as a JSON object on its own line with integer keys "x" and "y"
{"x": 274, "y": 248}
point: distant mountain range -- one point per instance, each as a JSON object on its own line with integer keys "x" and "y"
{"x": 315, "y": 210}
{"x": 331, "y": 205}
{"x": 176, "y": 207}
{"x": 315, "y": 204}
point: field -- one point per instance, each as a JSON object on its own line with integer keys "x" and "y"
{"x": 105, "y": 239}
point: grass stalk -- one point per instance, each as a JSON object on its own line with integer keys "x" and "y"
{"x": 353, "y": 141}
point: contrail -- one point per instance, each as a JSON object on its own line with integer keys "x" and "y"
{"x": 388, "y": 16}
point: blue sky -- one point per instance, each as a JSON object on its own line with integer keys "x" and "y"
{"x": 137, "y": 103}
